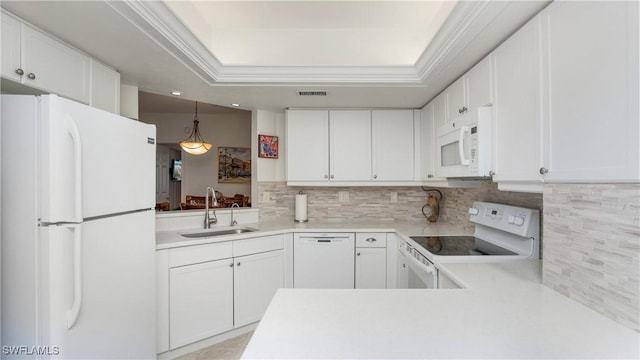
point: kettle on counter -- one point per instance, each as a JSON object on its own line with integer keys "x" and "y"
{"x": 431, "y": 210}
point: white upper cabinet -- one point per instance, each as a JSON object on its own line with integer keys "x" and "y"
{"x": 105, "y": 87}
{"x": 428, "y": 144}
{"x": 393, "y": 145}
{"x": 591, "y": 87}
{"x": 11, "y": 39}
{"x": 51, "y": 66}
{"x": 439, "y": 111}
{"x": 37, "y": 60}
{"x": 456, "y": 99}
{"x": 469, "y": 92}
{"x": 307, "y": 145}
{"x": 350, "y": 145}
{"x": 478, "y": 82}
{"x": 517, "y": 111}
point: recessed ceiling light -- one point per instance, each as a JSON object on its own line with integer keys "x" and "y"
{"x": 176, "y": 93}
{"x": 235, "y": 105}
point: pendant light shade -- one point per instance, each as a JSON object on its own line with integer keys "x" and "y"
{"x": 195, "y": 143}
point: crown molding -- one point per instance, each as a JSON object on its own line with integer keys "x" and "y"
{"x": 156, "y": 20}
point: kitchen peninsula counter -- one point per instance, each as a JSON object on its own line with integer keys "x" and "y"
{"x": 504, "y": 312}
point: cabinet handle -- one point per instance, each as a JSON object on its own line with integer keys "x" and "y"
{"x": 375, "y": 176}
{"x": 19, "y": 71}
{"x": 543, "y": 170}
{"x": 371, "y": 240}
{"x": 238, "y": 263}
{"x": 231, "y": 265}
{"x": 31, "y": 76}
{"x": 430, "y": 176}
{"x": 462, "y": 109}
{"x": 358, "y": 254}
{"x": 326, "y": 176}
{"x": 331, "y": 176}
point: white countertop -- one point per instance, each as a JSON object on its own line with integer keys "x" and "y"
{"x": 172, "y": 238}
{"x": 504, "y": 313}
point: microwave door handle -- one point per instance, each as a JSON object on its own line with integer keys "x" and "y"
{"x": 463, "y": 160}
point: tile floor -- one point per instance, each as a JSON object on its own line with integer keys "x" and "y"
{"x": 227, "y": 350}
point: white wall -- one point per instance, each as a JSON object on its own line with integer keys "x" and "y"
{"x": 221, "y": 130}
{"x": 270, "y": 123}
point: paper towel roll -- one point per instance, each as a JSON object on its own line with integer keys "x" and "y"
{"x": 301, "y": 207}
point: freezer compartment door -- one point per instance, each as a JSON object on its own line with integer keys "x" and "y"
{"x": 92, "y": 162}
{"x": 98, "y": 288}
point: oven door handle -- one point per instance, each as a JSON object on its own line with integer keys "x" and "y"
{"x": 426, "y": 273}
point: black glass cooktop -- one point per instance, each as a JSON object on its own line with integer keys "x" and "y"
{"x": 459, "y": 246}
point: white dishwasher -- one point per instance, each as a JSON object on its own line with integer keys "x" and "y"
{"x": 324, "y": 260}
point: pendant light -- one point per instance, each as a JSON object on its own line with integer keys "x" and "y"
{"x": 195, "y": 144}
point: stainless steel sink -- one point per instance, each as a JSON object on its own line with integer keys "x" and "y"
{"x": 218, "y": 232}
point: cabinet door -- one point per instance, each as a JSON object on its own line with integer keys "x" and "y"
{"x": 307, "y": 145}
{"x": 439, "y": 111}
{"x": 11, "y": 35}
{"x": 592, "y": 63}
{"x": 478, "y": 83}
{"x": 518, "y": 119}
{"x": 428, "y": 143}
{"x": 371, "y": 268}
{"x": 105, "y": 88}
{"x": 456, "y": 99}
{"x": 393, "y": 145}
{"x": 201, "y": 301}
{"x": 256, "y": 279}
{"x": 350, "y": 145}
{"x": 56, "y": 68}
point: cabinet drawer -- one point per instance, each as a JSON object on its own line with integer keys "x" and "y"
{"x": 257, "y": 245}
{"x": 371, "y": 240}
{"x": 199, "y": 253}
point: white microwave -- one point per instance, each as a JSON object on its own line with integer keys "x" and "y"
{"x": 465, "y": 146}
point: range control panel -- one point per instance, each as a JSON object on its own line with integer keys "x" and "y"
{"x": 516, "y": 220}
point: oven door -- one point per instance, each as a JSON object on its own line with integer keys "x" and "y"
{"x": 416, "y": 272}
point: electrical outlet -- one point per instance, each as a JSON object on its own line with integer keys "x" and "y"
{"x": 343, "y": 196}
{"x": 394, "y": 196}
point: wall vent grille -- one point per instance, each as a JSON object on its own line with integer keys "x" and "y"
{"x": 312, "y": 93}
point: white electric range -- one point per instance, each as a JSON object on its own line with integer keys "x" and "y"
{"x": 502, "y": 233}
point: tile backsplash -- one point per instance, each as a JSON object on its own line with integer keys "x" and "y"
{"x": 592, "y": 247}
{"x": 374, "y": 203}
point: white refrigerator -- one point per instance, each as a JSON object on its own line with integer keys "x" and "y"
{"x": 78, "y": 231}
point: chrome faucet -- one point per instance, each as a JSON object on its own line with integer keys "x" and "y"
{"x": 208, "y": 221}
{"x": 233, "y": 222}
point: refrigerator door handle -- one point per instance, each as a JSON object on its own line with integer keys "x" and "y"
{"x": 77, "y": 169}
{"x": 74, "y": 312}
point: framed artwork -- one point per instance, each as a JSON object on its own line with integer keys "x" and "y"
{"x": 268, "y": 146}
{"x": 234, "y": 165}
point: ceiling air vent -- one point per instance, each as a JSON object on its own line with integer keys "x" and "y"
{"x": 312, "y": 93}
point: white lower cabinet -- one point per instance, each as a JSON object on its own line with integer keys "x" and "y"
{"x": 371, "y": 261}
{"x": 200, "y": 301}
{"x": 255, "y": 280}
{"x": 205, "y": 290}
